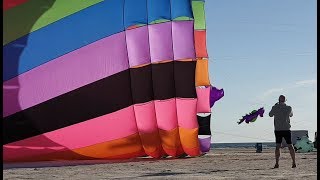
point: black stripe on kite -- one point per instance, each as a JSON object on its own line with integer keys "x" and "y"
{"x": 163, "y": 83}
{"x": 102, "y": 97}
{"x": 184, "y": 79}
{"x": 204, "y": 125}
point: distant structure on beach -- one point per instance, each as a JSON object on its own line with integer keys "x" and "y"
{"x": 295, "y": 135}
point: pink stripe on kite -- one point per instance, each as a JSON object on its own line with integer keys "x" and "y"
{"x": 16, "y": 152}
{"x": 203, "y": 104}
{"x": 146, "y": 117}
{"x": 66, "y": 73}
{"x": 187, "y": 113}
{"x": 7, "y": 4}
{"x": 166, "y": 114}
{"x": 105, "y": 128}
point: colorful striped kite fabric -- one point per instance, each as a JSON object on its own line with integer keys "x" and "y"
{"x": 104, "y": 79}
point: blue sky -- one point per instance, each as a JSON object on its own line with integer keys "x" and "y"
{"x": 259, "y": 49}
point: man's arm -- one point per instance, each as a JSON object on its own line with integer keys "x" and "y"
{"x": 271, "y": 113}
{"x": 291, "y": 113}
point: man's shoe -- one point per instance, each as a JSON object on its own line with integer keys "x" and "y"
{"x": 294, "y": 165}
{"x": 276, "y": 166}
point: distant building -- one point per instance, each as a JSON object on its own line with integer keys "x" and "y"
{"x": 295, "y": 135}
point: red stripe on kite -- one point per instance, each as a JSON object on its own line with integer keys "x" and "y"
{"x": 7, "y": 4}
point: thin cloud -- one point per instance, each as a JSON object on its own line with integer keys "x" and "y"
{"x": 306, "y": 82}
{"x": 272, "y": 91}
{"x": 298, "y": 84}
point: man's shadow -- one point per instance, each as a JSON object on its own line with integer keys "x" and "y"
{"x": 11, "y": 20}
{"x": 10, "y": 24}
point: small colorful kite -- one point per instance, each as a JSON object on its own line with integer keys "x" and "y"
{"x": 252, "y": 117}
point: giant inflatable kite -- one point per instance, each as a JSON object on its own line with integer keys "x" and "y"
{"x": 111, "y": 79}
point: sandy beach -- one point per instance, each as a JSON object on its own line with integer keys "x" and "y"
{"x": 217, "y": 164}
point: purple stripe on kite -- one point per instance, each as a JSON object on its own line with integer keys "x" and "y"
{"x": 205, "y": 144}
{"x": 138, "y": 46}
{"x": 183, "y": 40}
{"x": 66, "y": 73}
{"x": 160, "y": 39}
{"x": 105, "y": 128}
{"x": 100, "y": 59}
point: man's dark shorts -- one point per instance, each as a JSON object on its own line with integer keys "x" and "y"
{"x": 283, "y": 134}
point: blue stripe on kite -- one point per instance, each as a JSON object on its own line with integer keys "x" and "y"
{"x": 147, "y": 11}
{"x": 181, "y": 8}
{"x": 159, "y": 10}
{"x": 61, "y": 37}
{"x": 135, "y": 12}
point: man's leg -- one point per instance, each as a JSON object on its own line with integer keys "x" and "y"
{"x": 292, "y": 154}
{"x": 277, "y": 154}
{"x": 278, "y": 145}
{"x": 287, "y": 137}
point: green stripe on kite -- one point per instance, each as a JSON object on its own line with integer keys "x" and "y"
{"x": 159, "y": 21}
{"x": 36, "y": 14}
{"x": 183, "y": 18}
{"x": 199, "y": 15}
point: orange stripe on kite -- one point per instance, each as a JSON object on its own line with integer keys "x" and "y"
{"x": 202, "y": 73}
{"x": 170, "y": 141}
{"x": 108, "y": 150}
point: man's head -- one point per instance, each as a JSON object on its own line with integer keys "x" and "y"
{"x": 282, "y": 99}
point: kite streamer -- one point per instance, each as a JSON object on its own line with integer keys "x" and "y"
{"x": 104, "y": 79}
{"x": 215, "y": 95}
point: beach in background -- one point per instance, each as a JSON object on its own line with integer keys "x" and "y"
{"x": 224, "y": 161}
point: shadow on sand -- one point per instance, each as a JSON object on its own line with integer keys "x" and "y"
{"x": 62, "y": 163}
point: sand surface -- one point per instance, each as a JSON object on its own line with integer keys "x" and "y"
{"x": 217, "y": 164}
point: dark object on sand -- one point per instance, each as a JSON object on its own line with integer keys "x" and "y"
{"x": 258, "y": 147}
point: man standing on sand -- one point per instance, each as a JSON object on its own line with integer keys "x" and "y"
{"x": 282, "y": 114}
